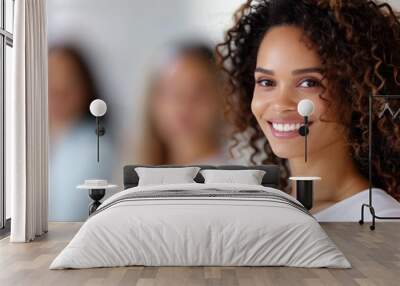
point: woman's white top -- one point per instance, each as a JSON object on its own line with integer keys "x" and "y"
{"x": 350, "y": 209}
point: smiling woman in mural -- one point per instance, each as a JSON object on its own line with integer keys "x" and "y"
{"x": 334, "y": 53}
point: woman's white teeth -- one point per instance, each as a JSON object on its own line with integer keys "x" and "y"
{"x": 286, "y": 127}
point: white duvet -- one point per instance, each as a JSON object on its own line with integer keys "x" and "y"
{"x": 200, "y": 231}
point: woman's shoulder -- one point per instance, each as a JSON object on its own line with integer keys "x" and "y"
{"x": 349, "y": 209}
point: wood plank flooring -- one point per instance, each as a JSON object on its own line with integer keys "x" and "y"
{"x": 375, "y": 257}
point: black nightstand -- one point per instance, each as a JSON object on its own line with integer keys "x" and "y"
{"x": 96, "y": 193}
{"x": 305, "y": 190}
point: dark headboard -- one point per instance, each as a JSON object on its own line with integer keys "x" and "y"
{"x": 270, "y": 179}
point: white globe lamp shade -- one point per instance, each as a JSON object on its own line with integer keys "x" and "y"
{"x": 305, "y": 107}
{"x": 98, "y": 107}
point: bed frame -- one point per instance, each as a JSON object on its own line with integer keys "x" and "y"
{"x": 270, "y": 179}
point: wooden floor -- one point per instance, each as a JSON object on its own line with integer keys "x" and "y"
{"x": 375, "y": 257}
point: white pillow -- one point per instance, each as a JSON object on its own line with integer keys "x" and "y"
{"x": 162, "y": 176}
{"x": 248, "y": 177}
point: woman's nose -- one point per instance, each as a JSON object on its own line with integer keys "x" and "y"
{"x": 284, "y": 101}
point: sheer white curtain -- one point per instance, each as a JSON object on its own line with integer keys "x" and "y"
{"x": 27, "y": 123}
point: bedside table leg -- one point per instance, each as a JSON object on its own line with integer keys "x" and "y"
{"x": 93, "y": 206}
{"x": 96, "y": 195}
{"x": 304, "y": 193}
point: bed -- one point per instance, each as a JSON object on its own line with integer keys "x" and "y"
{"x": 201, "y": 224}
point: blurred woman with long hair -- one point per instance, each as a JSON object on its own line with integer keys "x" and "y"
{"x": 183, "y": 110}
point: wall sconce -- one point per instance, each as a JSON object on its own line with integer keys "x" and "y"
{"x": 98, "y": 108}
{"x": 305, "y": 108}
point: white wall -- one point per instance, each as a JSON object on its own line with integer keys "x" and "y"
{"x": 394, "y": 3}
{"x": 211, "y": 18}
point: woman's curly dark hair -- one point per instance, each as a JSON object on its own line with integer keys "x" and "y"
{"x": 358, "y": 42}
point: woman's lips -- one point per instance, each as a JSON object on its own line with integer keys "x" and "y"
{"x": 285, "y": 130}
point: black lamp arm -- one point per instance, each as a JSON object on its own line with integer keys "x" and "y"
{"x": 100, "y": 131}
{"x": 303, "y": 131}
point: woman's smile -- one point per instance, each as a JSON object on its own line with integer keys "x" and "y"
{"x": 285, "y": 129}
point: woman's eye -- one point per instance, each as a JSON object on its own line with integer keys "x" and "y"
{"x": 310, "y": 83}
{"x": 265, "y": 82}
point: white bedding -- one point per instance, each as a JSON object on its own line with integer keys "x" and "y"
{"x": 183, "y": 231}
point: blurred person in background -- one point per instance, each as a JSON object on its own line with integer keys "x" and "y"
{"x": 72, "y": 135}
{"x": 184, "y": 109}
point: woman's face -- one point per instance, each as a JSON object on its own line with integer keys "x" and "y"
{"x": 287, "y": 71}
{"x": 186, "y": 101}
